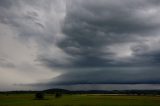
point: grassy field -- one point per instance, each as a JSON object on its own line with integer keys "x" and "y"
{"x": 79, "y": 100}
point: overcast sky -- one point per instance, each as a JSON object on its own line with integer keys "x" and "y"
{"x": 79, "y": 44}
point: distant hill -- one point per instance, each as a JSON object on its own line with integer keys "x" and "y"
{"x": 54, "y": 90}
{"x": 128, "y": 92}
{"x": 64, "y": 91}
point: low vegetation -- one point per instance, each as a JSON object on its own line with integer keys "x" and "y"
{"x": 79, "y": 100}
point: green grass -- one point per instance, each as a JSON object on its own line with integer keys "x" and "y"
{"x": 79, "y": 100}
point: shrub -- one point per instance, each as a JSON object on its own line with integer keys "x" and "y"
{"x": 39, "y": 95}
{"x": 58, "y": 95}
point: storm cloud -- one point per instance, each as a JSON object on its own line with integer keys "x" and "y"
{"x": 70, "y": 42}
{"x": 99, "y": 32}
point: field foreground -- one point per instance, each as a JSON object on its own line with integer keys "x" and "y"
{"x": 79, "y": 100}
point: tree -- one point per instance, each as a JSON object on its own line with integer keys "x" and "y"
{"x": 58, "y": 94}
{"x": 39, "y": 95}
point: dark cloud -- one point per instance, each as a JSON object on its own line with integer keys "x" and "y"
{"x": 116, "y": 75}
{"x": 6, "y": 3}
{"x": 82, "y": 41}
{"x": 90, "y": 26}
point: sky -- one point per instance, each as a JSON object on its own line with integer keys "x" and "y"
{"x": 79, "y": 44}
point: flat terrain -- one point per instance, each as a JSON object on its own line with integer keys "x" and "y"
{"x": 79, "y": 100}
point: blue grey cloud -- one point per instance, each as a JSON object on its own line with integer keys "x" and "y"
{"x": 116, "y": 75}
{"x": 81, "y": 41}
{"x": 97, "y": 32}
